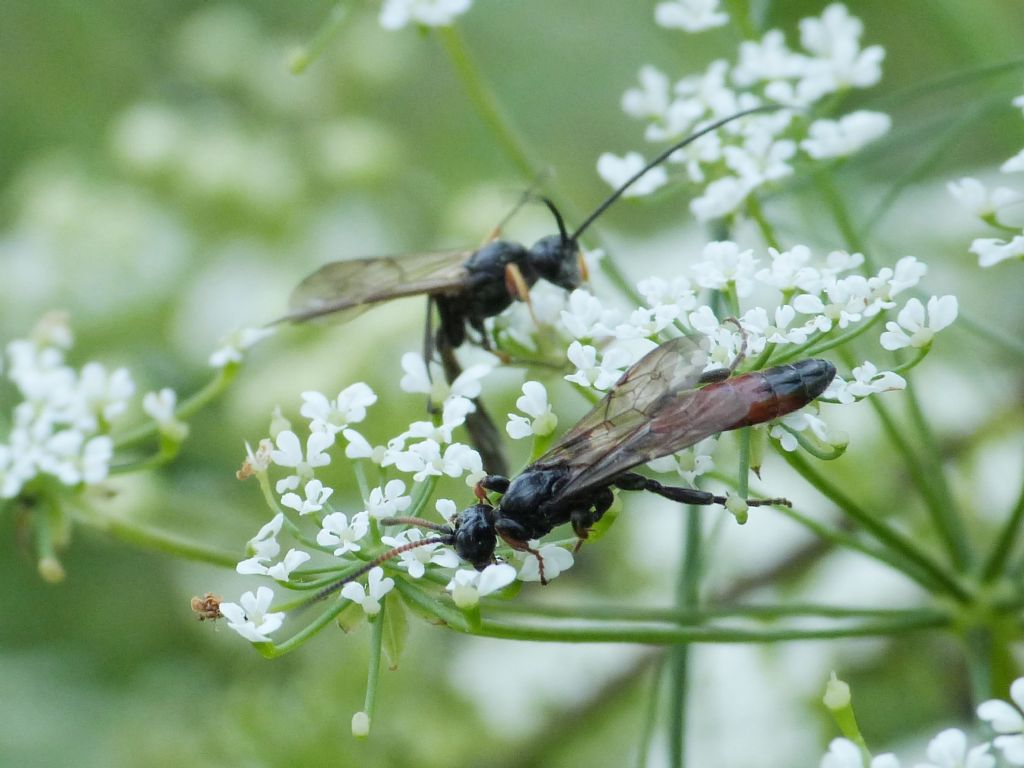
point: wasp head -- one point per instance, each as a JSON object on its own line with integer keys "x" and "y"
{"x": 558, "y": 260}
{"x": 475, "y": 537}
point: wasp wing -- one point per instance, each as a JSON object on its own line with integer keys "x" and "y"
{"x": 652, "y": 411}
{"x": 345, "y": 288}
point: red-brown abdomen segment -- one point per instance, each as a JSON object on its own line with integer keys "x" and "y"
{"x": 774, "y": 392}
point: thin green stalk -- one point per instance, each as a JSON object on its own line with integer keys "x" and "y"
{"x": 597, "y": 632}
{"x": 756, "y": 212}
{"x": 486, "y": 102}
{"x": 702, "y": 614}
{"x": 307, "y": 54}
{"x": 650, "y": 715}
{"x": 373, "y": 668}
{"x": 837, "y": 207}
{"x": 890, "y": 537}
{"x": 145, "y": 537}
{"x": 491, "y": 112}
{"x": 939, "y": 487}
{"x": 272, "y": 651}
{"x": 892, "y": 559}
{"x": 677, "y": 666}
{"x": 183, "y": 412}
{"x": 1007, "y": 537}
{"x": 946, "y": 523}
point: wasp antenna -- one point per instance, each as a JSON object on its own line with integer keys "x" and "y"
{"x": 367, "y": 567}
{"x": 664, "y": 156}
{"x": 420, "y": 522}
{"x": 558, "y": 218}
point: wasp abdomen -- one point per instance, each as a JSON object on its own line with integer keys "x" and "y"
{"x": 774, "y": 392}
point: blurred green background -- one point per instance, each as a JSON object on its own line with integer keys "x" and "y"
{"x": 165, "y": 180}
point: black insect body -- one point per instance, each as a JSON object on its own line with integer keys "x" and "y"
{"x": 662, "y": 404}
{"x": 655, "y": 409}
{"x": 467, "y": 286}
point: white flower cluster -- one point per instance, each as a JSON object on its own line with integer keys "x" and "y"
{"x": 949, "y": 748}
{"x": 806, "y": 301}
{"x": 758, "y": 149}
{"x": 60, "y": 427}
{"x": 1002, "y": 208}
{"x": 425, "y": 451}
{"x": 395, "y": 14}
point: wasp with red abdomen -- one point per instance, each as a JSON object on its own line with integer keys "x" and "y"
{"x": 662, "y": 404}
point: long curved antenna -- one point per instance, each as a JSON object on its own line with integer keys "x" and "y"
{"x": 664, "y": 156}
{"x": 330, "y": 589}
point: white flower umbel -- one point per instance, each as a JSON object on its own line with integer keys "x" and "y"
{"x": 845, "y": 136}
{"x": 388, "y": 501}
{"x": 252, "y": 619}
{"x": 843, "y": 753}
{"x": 590, "y": 373}
{"x": 690, "y": 15}
{"x": 349, "y": 407}
{"x": 262, "y": 548}
{"x": 341, "y": 534}
{"x": 234, "y": 345}
{"x": 415, "y": 561}
{"x": 425, "y": 459}
{"x": 540, "y": 420}
{"x": 467, "y": 587}
{"x": 317, "y": 495}
{"x": 617, "y": 170}
{"x": 867, "y": 380}
{"x": 916, "y": 328}
{"x": 369, "y": 597}
{"x": 990, "y": 251}
{"x": 395, "y": 14}
{"x": 1006, "y": 720}
{"x": 949, "y": 750}
{"x": 417, "y": 378}
{"x": 289, "y": 454}
{"x": 556, "y": 561}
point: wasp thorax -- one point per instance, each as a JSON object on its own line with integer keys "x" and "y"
{"x": 557, "y": 259}
{"x": 475, "y": 538}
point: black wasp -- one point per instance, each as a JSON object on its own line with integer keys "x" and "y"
{"x": 467, "y": 286}
{"x": 660, "y": 405}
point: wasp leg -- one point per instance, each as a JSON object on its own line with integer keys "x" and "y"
{"x": 631, "y": 481}
{"x": 517, "y": 287}
{"x": 482, "y": 432}
{"x": 496, "y": 483}
{"x": 583, "y": 519}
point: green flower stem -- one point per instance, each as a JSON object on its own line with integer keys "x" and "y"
{"x": 939, "y": 507}
{"x": 901, "y": 97}
{"x": 945, "y": 504}
{"x": 995, "y": 336}
{"x": 661, "y": 634}
{"x": 429, "y": 603}
{"x": 650, "y": 714}
{"x": 849, "y": 541}
{"x": 890, "y": 537}
{"x": 300, "y": 60}
{"x": 912, "y": 362}
{"x": 837, "y": 207}
{"x": 704, "y": 613}
{"x": 677, "y": 666}
{"x": 739, "y": 15}
{"x": 756, "y": 212}
{"x": 486, "y": 102}
{"x": 146, "y": 537}
{"x": 273, "y": 650}
{"x": 373, "y": 671}
{"x": 819, "y": 345}
{"x": 489, "y": 109}
{"x": 996, "y": 561}
{"x": 183, "y": 412}
{"x": 424, "y": 492}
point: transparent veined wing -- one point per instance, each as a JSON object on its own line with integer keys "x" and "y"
{"x": 342, "y": 289}
{"x": 652, "y": 411}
